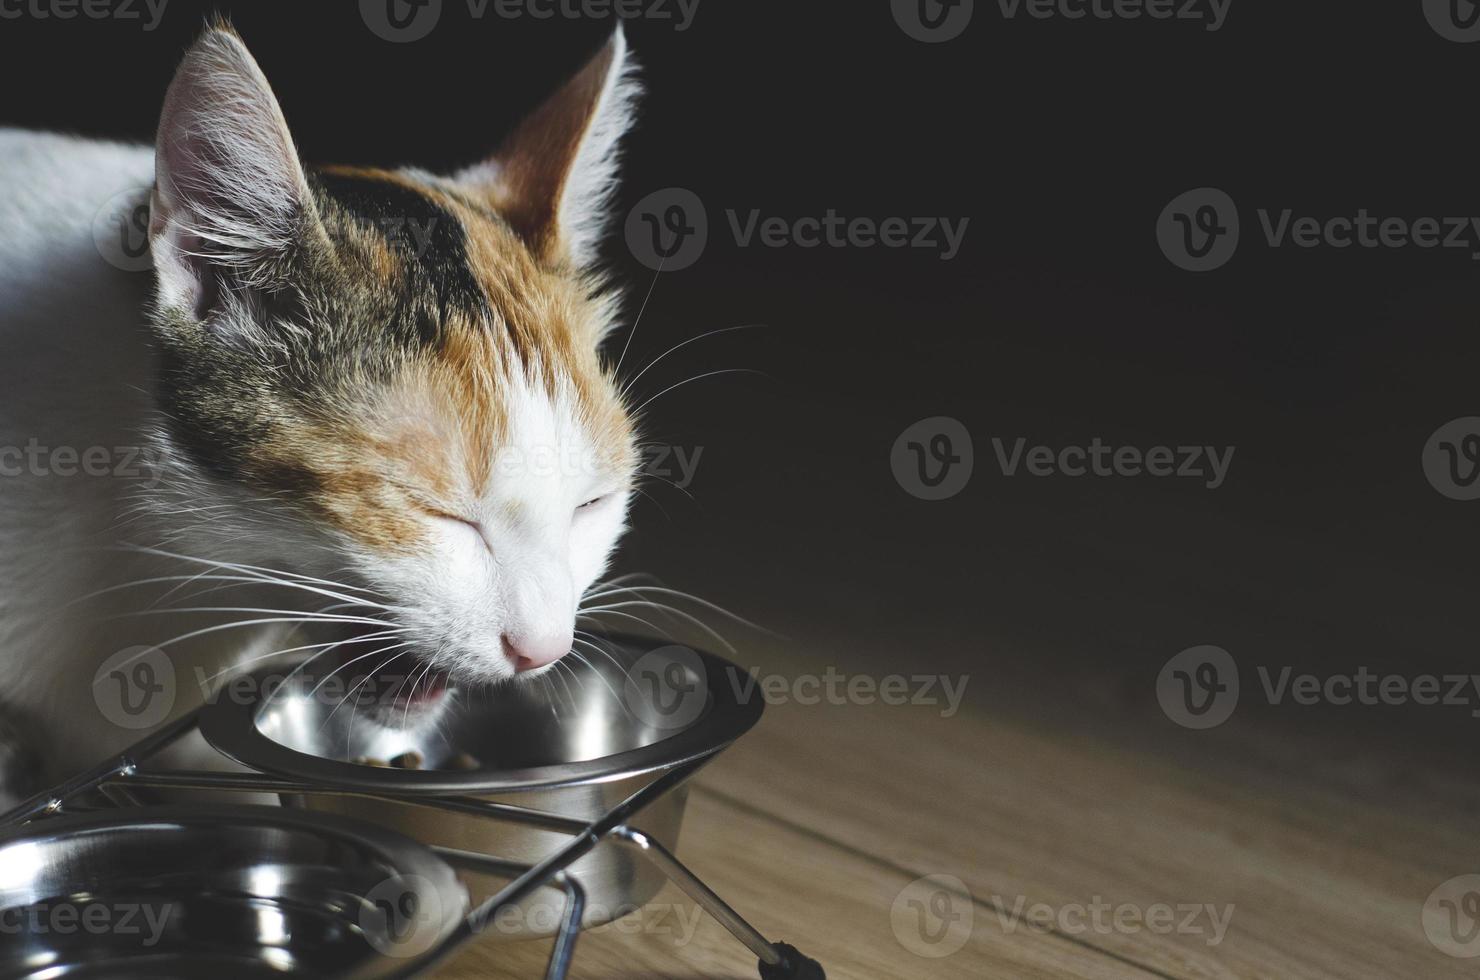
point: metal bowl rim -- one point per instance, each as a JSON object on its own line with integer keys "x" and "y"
{"x": 230, "y": 727}
{"x": 408, "y": 857}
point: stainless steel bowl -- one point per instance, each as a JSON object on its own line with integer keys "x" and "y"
{"x": 570, "y": 747}
{"x": 232, "y": 892}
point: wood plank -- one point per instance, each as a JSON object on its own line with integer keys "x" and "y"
{"x": 1322, "y": 881}
{"x": 831, "y": 903}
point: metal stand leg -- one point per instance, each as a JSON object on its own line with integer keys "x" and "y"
{"x": 570, "y": 920}
{"x": 570, "y": 928}
{"x": 778, "y": 961}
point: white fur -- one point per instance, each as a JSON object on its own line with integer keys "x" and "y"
{"x": 74, "y": 332}
{"x": 522, "y": 557}
{"x": 585, "y": 207}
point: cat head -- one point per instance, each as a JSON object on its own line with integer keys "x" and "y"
{"x": 392, "y": 371}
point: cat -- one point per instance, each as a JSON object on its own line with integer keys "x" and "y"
{"x": 367, "y": 404}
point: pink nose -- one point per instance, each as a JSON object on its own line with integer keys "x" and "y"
{"x": 532, "y": 652}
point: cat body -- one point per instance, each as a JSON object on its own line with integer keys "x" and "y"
{"x": 331, "y": 409}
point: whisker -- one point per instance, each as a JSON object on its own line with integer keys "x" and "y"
{"x": 638, "y": 319}
{"x": 692, "y": 598}
{"x": 697, "y": 377}
{"x": 370, "y": 638}
{"x": 355, "y": 690}
{"x": 600, "y": 676}
{"x": 670, "y": 610}
{"x": 302, "y": 616}
{"x": 628, "y": 386}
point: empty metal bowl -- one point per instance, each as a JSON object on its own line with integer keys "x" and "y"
{"x": 573, "y": 747}
{"x": 170, "y": 893}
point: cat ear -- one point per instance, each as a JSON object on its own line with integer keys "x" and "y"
{"x": 230, "y": 199}
{"x": 553, "y": 179}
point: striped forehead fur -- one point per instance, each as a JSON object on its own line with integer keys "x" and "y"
{"x": 399, "y": 345}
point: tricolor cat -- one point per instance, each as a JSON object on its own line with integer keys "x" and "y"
{"x": 368, "y": 404}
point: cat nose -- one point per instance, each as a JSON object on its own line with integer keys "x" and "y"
{"x": 532, "y": 652}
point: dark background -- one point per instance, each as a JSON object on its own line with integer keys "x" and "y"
{"x": 1059, "y": 320}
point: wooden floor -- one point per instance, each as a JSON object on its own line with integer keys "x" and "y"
{"x": 1315, "y": 853}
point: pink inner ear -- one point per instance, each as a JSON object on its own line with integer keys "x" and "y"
{"x": 551, "y": 177}
{"x": 229, "y": 189}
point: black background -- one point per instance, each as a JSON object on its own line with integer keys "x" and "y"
{"x": 1060, "y": 320}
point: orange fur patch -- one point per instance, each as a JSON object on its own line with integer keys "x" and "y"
{"x": 427, "y": 439}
